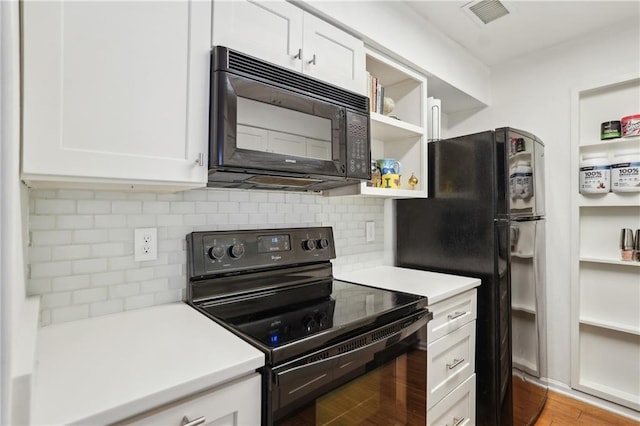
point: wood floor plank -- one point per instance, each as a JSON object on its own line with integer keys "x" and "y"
{"x": 561, "y": 410}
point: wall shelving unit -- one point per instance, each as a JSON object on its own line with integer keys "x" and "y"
{"x": 401, "y": 134}
{"x": 605, "y": 305}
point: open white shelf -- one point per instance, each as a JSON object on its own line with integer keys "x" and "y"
{"x": 399, "y": 135}
{"x": 610, "y": 325}
{"x": 390, "y": 129}
{"x": 630, "y": 263}
{"x": 605, "y": 302}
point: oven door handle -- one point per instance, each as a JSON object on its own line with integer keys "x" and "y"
{"x": 300, "y": 378}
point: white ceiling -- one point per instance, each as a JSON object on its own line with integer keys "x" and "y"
{"x": 530, "y": 25}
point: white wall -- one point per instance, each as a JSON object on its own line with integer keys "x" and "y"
{"x": 534, "y": 93}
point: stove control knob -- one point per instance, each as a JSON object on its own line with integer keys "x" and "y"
{"x": 236, "y": 251}
{"x": 309, "y": 245}
{"x": 322, "y": 243}
{"x": 216, "y": 252}
{"x": 310, "y": 324}
{"x": 323, "y": 320}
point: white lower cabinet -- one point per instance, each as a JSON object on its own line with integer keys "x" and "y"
{"x": 451, "y": 342}
{"x": 234, "y": 404}
{"x": 458, "y": 408}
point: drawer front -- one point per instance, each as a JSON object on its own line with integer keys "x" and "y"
{"x": 450, "y": 361}
{"x": 234, "y": 404}
{"x": 451, "y": 314}
{"x": 456, "y": 409}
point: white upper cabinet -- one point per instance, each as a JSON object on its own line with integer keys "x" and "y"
{"x": 283, "y": 34}
{"x": 116, "y": 93}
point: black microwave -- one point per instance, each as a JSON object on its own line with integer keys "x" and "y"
{"x": 273, "y": 128}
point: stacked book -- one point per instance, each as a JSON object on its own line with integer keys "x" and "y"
{"x": 376, "y": 94}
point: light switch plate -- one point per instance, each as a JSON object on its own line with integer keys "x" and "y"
{"x": 145, "y": 244}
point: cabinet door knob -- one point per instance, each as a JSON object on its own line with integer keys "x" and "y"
{"x": 298, "y": 55}
{"x": 185, "y": 421}
{"x": 313, "y": 60}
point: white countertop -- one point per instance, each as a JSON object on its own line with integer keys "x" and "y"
{"x": 104, "y": 369}
{"x": 435, "y": 286}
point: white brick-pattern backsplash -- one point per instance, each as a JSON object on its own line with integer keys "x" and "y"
{"x": 81, "y": 242}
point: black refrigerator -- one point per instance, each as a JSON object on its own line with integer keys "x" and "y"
{"x": 484, "y": 218}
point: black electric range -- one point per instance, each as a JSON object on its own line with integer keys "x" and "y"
{"x": 274, "y": 288}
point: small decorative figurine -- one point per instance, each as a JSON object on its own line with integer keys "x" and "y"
{"x": 413, "y": 181}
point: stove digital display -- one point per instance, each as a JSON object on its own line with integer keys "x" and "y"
{"x": 271, "y": 243}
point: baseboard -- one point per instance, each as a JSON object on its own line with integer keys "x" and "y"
{"x": 563, "y": 389}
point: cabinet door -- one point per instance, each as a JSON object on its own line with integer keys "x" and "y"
{"x": 267, "y": 30}
{"x": 233, "y": 404}
{"x": 333, "y": 55}
{"x": 116, "y": 91}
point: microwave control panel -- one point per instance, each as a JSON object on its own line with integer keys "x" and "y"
{"x": 358, "y": 146}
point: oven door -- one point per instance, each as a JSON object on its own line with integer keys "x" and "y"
{"x": 379, "y": 376}
{"x": 257, "y": 126}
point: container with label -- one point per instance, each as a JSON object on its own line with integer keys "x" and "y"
{"x": 630, "y": 125}
{"x": 595, "y": 173}
{"x": 524, "y": 180}
{"x": 610, "y": 130}
{"x": 625, "y": 172}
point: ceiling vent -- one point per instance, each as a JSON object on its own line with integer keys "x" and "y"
{"x": 486, "y": 10}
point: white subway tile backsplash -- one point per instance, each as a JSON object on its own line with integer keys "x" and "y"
{"x": 106, "y": 307}
{"x": 156, "y": 207}
{"x": 108, "y": 250}
{"x": 88, "y": 266}
{"x": 122, "y": 291}
{"x": 138, "y": 274}
{"x": 89, "y": 295}
{"x": 89, "y": 236}
{"x": 50, "y": 269}
{"x": 74, "y": 222}
{"x": 154, "y": 286}
{"x": 106, "y": 279}
{"x": 138, "y": 302}
{"x": 69, "y": 313}
{"x": 94, "y": 207}
{"x": 50, "y": 238}
{"x": 42, "y": 222}
{"x": 81, "y": 253}
{"x": 55, "y": 300}
{"x": 72, "y": 282}
{"x": 126, "y": 207}
{"x": 110, "y": 221}
{"x": 57, "y": 206}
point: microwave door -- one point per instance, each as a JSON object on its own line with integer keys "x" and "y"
{"x": 263, "y": 127}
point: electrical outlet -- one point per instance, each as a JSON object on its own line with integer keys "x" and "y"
{"x": 370, "y": 231}
{"x": 145, "y": 244}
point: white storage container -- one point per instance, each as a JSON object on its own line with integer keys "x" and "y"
{"x": 625, "y": 172}
{"x": 595, "y": 173}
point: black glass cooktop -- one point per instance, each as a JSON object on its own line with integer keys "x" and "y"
{"x": 344, "y": 309}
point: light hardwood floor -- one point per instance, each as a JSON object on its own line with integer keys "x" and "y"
{"x": 561, "y": 410}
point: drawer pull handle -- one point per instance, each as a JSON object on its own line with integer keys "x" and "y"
{"x": 298, "y": 55}
{"x": 455, "y": 363}
{"x": 456, "y": 421}
{"x": 313, "y": 60}
{"x": 456, "y": 315}
{"x": 196, "y": 422}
